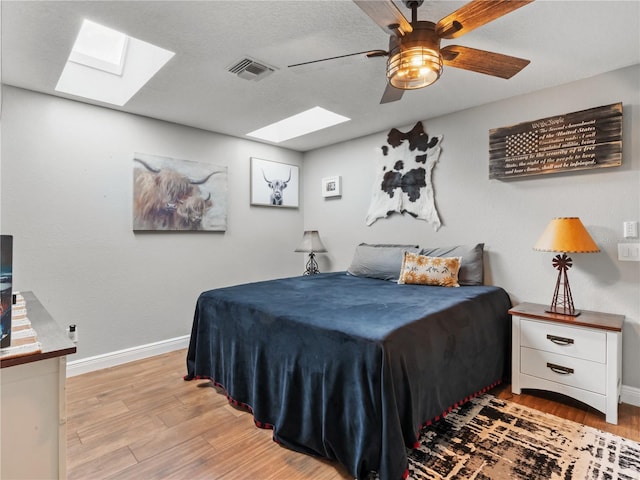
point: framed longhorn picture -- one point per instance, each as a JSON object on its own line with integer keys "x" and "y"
{"x": 174, "y": 194}
{"x": 274, "y": 184}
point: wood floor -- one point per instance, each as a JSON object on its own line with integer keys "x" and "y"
{"x": 142, "y": 421}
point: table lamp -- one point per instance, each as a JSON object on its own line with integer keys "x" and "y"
{"x": 565, "y": 235}
{"x": 311, "y": 243}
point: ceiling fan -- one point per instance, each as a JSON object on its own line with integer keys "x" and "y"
{"x": 415, "y": 58}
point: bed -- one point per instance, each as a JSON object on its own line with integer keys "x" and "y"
{"x": 350, "y": 367}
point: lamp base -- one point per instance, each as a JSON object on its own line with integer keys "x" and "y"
{"x": 562, "y": 302}
{"x": 563, "y": 311}
{"x": 312, "y": 265}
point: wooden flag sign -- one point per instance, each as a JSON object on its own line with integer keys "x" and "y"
{"x": 574, "y": 141}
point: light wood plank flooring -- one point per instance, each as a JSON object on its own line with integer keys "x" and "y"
{"x": 142, "y": 421}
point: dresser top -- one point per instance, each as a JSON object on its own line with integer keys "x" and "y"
{"x": 603, "y": 321}
{"x": 54, "y": 340}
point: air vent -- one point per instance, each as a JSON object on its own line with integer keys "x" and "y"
{"x": 250, "y": 69}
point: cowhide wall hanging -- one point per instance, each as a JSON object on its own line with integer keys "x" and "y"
{"x": 403, "y": 176}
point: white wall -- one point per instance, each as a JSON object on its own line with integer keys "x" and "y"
{"x": 508, "y": 216}
{"x": 66, "y": 196}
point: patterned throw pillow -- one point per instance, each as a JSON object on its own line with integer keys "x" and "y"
{"x": 423, "y": 270}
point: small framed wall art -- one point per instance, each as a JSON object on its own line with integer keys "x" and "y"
{"x": 274, "y": 184}
{"x": 332, "y": 186}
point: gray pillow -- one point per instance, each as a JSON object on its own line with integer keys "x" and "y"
{"x": 381, "y": 261}
{"x": 472, "y": 266}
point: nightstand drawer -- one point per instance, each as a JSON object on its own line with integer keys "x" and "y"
{"x": 575, "y": 342}
{"x": 570, "y": 371}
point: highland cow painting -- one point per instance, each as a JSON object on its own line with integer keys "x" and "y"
{"x": 171, "y": 194}
{"x": 274, "y": 184}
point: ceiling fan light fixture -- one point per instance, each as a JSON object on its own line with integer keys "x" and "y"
{"x": 415, "y": 60}
{"x": 414, "y": 67}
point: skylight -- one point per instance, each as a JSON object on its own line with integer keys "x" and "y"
{"x": 300, "y": 124}
{"x": 100, "y": 47}
{"x": 109, "y": 66}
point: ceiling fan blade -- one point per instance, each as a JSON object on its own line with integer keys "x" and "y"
{"x": 391, "y": 94}
{"x": 475, "y": 14}
{"x": 481, "y": 61}
{"x": 386, "y": 14}
{"x": 369, "y": 53}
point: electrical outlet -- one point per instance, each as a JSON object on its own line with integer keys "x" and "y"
{"x": 630, "y": 229}
{"x": 72, "y": 331}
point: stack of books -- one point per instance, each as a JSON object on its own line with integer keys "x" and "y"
{"x": 24, "y": 339}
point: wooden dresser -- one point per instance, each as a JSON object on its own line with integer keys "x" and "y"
{"x": 580, "y": 357}
{"x": 33, "y": 399}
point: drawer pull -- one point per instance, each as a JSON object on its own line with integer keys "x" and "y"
{"x": 560, "y": 340}
{"x": 559, "y": 369}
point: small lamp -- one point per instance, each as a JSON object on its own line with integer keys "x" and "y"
{"x": 566, "y": 235}
{"x": 311, "y": 243}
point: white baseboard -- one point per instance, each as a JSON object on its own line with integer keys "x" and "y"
{"x": 630, "y": 395}
{"x": 112, "y": 359}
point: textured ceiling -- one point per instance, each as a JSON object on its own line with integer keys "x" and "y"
{"x": 565, "y": 41}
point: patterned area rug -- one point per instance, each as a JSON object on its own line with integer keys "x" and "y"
{"x": 489, "y": 438}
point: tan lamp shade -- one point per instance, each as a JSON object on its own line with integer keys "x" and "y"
{"x": 568, "y": 235}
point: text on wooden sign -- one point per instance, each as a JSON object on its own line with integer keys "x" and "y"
{"x": 575, "y": 141}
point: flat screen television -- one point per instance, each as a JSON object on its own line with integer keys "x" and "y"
{"x": 6, "y": 280}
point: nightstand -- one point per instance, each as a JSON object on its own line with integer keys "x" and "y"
{"x": 580, "y": 357}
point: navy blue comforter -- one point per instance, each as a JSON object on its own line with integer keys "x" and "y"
{"x": 349, "y": 368}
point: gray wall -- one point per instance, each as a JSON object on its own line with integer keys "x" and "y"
{"x": 508, "y": 216}
{"x": 66, "y": 197}
{"x": 66, "y": 194}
